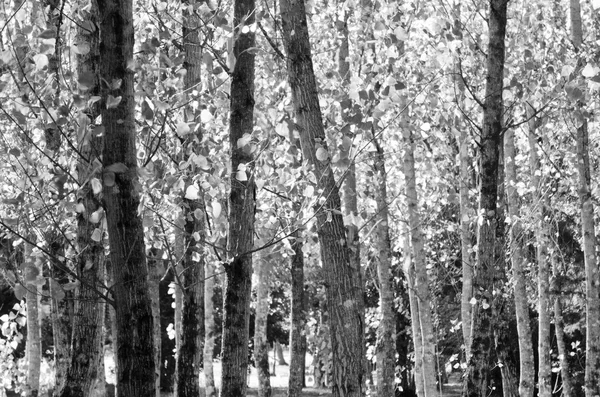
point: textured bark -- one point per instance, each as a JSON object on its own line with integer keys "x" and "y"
{"x": 189, "y": 357}
{"x": 34, "y": 343}
{"x": 238, "y": 285}
{"x": 86, "y": 343}
{"x": 592, "y": 277}
{"x": 209, "y": 331}
{"x": 261, "y": 346}
{"x": 563, "y": 352}
{"x": 543, "y": 261}
{"x": 155, "y": 272}
{"x": 298, "y": 320}
{"x": 527, "y": 364}
{"x": 135, "y": 344}
{"x": 386, "y": 332}
{"x": 481, "y": 361}
{"x": 421, "y": 281}
{"x": 342, "y": 276}
{"x": 409, "y": 271}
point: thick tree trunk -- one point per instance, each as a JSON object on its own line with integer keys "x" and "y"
{"x": 409, "y": 271}
{"x": 261, "y": 346}
{"x": 238, "y": 286}
{"x": 135, "y": 344}
{"x": 543, "y": 261}
{"x": 342, "y": 276}
{"x": 209, "y": 331}
{"x": 298, "y": 320}
{"x": 421, "y": 280}
{"x": 527, "y": 367}
{"x": 386, "y": 332}
{"x": 34, "y": 343}
{"x": 481, "y": 361}
{"x": 189, "y": 357}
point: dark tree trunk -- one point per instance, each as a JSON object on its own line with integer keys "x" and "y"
{"x": 342, "y": 279}
{"x": 298, "y": 321}
{"x": 135, "y": 352}
{"x": 481, "y": 362}
{"x": 238, "y": 285}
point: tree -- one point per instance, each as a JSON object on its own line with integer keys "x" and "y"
{"x": 481, "y": 361}
{"x": 242, "y": 197}
{"x": 261, "y": 346}
{"x": 121, "y": 189}
{"x": 342, "y": 277}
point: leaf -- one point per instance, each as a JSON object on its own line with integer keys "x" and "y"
{"x": 96, "y": 185}
{"x": 79, "y": 208}
{"x": 70, "y": 286}
{"x": 41, "y": 61}
{"x": 147, "y": 111}
{"x": 589, "y": 71}
{"x": 82, "y": 48}
{"x": 97, "y": 235}
{"x": 308, "y": 191}
{"x": 191, "y": 193}
{"x": 240, "y": 175}
{"x": 96, "y": 215}
{"x": 244, "y": 140}
{"x": 112, "y": 102}
{"x": 284, "y": 128}
{"x": 31, "y": 273}
{"x": 47, "y": 34}
{"x": 322, "y": 154}
{"x": 20, "y": 291}
{"x": 15, "y": 152}
{"x": 116, "y": 84}
{"x": 108, "y": 179}
{"x": 183, "y": 128}
{"x": 216, "y": 209}
{"x": 206, "y": 116}
{"x": 117, "y": 168}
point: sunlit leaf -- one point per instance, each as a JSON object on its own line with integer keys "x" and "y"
{"x": 112, "y": 102}
{"x": 97, "y": 235}
{"x": 216, "y": 209}
{"x": 322, "y": 154}
{"x": 192, "y": 192}
{"x": 96, "y": 185}
{"x": 183, "y": 128}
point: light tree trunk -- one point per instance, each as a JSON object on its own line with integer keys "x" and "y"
{"x": 261, "y": 346}
{"x": 421, "y": 280}
{"x": 135, "y": 344}
{"x": 563, "y": 352}
{"x": 386, "y": 332}
{"x": 242, "y": 205}
{"x": 298, "y": 320}
{"x": 34, "y": 344}
{"x": 526, "y": 368}
{"x": 481, "y": 361}
{"x": 341, "y": 275}
{"x": 543, "y": 261}
{"x": 155, "y": 271}
{"x": 409, "y": 271}
{"x": 209, "y": 331}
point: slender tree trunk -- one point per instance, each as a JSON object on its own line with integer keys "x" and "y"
{"x": 423, "y": 294}
{"x": 34, "y": 344}
{"x": 135, "y": 344}
{"x": 209, "y": 331}
{"x": 261, "y": 346}
{"x": 409, "y": 271}
{"x": 298, "y": 320}
{"x": 543, "y": 262}
{"x": 563, "y": 352}
{"x": 242, "y": 196}
{"x": 342, "y": 276}
{"x": 386, "y": 332}
{"x": 481, "y": 361}
{"x": 189, "y": 357}
{"x": 527, "y": 367}
{"x": 155, "y": 271}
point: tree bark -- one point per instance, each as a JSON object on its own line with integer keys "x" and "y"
{"x": 342, "y": 276}
{"x": 209, "y": 331}
{"x": 34, "y": 344}
{"x": 261, "y": 346}
{"x": 238, "y": 286}
{"x": 481, "y": 361}
{"x": 135, "y": 344}
{"x": 155, "y": 271}
{"x": 386, "y": 332}
{"x": 527, "y": 364}
{"x": 422, "y": 292}
{"x": 298, "y": 320}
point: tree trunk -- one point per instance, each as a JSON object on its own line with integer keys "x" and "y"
{"x": 209, "y": 331}
{"x": 563, "y": 352}
{"x": 421, "y": 280}
{"x": 189, "y": 357}
{"x": 242, "y": 196}
{"x": 135, "y": 344}
{"x": 279, "y": 352}
{"x": 527, "y": 364}
{"x": 542, "y": 238}
{"x": 298, "y": 320}
{"x": 481, "y": 361}
{"x": 342, "y": 276}
{"x": 261, "y": 346}
{"x": 386, "y": 332}
{"x": 155, "y": 271}
{"x": 34, "y": 344}
{"x": 409, "y": 271}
